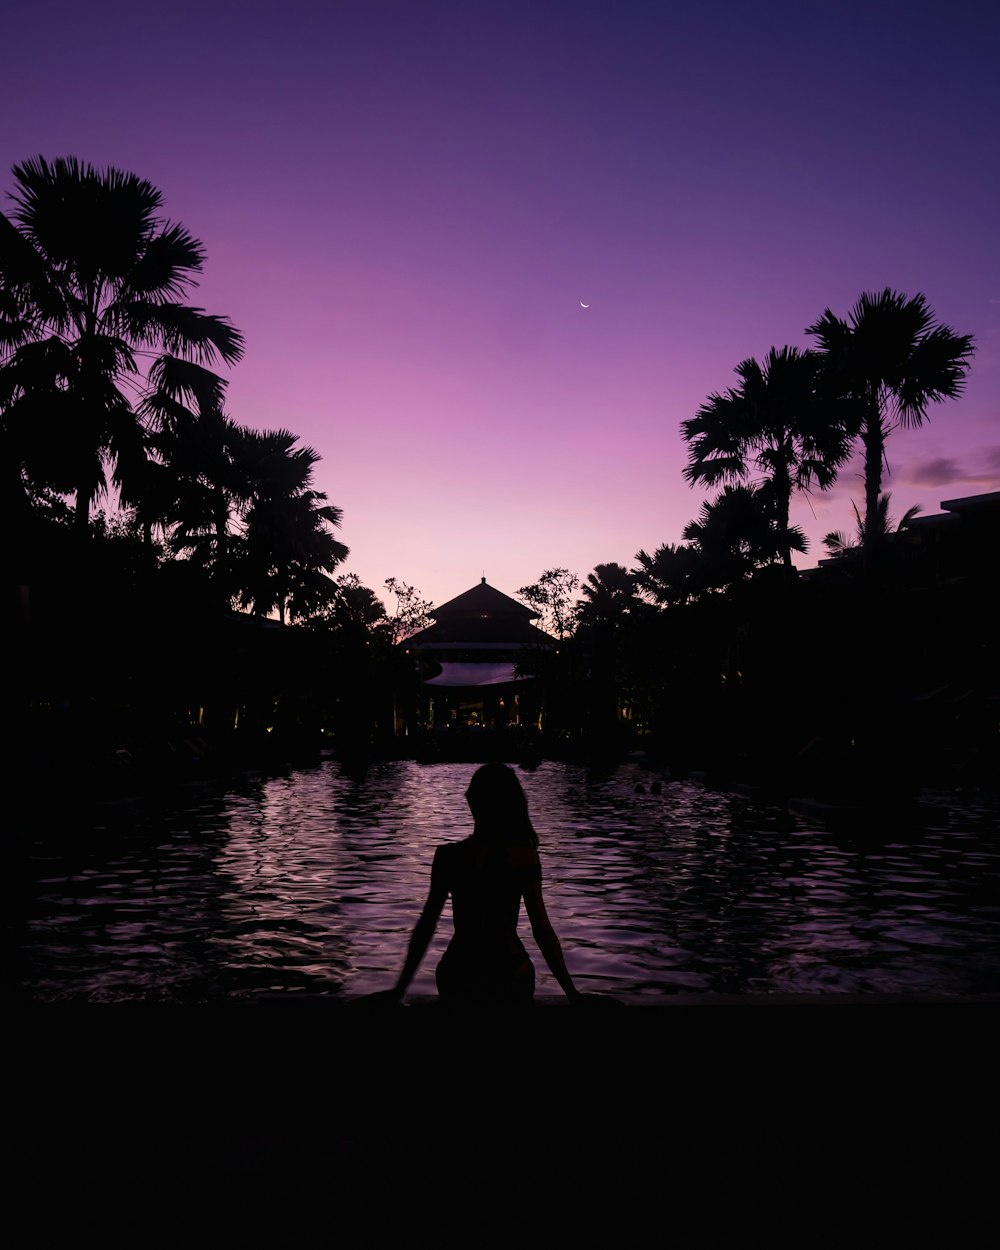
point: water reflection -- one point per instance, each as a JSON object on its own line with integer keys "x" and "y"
{"x": 312, "y": 882}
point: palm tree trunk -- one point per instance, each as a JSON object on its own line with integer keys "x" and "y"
{"x": 783, "y": 500}
{"x": 873, "y": 439}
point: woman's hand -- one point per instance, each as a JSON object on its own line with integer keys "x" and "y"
{"x": 595, "y": 1000}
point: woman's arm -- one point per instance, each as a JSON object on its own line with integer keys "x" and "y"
{"x": 545, "y": 936}
{"x": 423, "y": 931}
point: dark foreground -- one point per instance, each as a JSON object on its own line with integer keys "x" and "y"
{"x": 353, "y": 1129}
{"x": 694, "y": 1000}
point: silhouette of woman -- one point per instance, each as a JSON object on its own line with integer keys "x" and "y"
{"x": 487, "y": 876}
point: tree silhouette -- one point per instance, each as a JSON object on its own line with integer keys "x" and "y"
{"x": 778, "y": 427}
{"x": 608, "y": 594}
{"x": 188, "y": 481}
{"x": 735, "y": 535}
{"x": 203, "y": 492}
{"x": 411, "y": 613}
{"x": 604, "y": 614}
{"x": 668, "y": 577}
{"x": 839, "y": 543}
{"x": 886, "y": 364}
{"x": 552, "y": 596}
{"x": 286, "y": 549}
{"x": 91, "y": 285}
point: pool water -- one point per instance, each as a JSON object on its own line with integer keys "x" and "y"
{"x": 309, "y": 884}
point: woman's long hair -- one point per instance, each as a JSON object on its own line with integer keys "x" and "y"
{"x": 499, "y": 807}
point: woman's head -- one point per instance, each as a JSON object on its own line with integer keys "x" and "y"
{"x": 498, "y": 805}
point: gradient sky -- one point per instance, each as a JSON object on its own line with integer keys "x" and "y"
{"x": 404, "y": 205}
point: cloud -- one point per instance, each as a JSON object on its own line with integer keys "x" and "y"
{"x": 944, "y": 470}
{"x": 935, "y": 472}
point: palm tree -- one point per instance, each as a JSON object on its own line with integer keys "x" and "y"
{"x": 776, "y": 425}
{"x": 92, "y": 281}
{"x": 181, "y": 485}
{"x": 355, "y": 609}
{"x": 604, "y": 614}
{"x": 735, "y": 535}
{"x": 886, "y": 364}
{"x": 201, "y": 496}
{"x": 192, "y": 486}
{"x": 839, "y": 543}
{"x": 669, "y": 575}
{"x": 608, "y": 595}
{"x": 286, "y": 549}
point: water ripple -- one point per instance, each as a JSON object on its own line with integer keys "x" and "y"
{"x": 311, "y": 883}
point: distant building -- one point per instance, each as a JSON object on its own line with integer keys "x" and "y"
{"x": 941, "y": 548}
{"x": 960, "y": 542}
{"x": 938, "y": 664}
{"x": 468, "y": 664}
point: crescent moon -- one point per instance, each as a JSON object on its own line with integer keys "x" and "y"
{"x": 583, "y": 305}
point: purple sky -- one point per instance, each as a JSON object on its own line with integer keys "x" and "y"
{"x": 404, "y": 205}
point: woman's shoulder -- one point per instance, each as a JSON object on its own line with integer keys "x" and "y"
{"x": 468, "y": 850}
{"x": 524, "y": 860}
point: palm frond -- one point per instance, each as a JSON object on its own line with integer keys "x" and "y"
{"x": 166, "y": 267}
{"x": 188, "y": 381}
{"x": 189, "y": 333}
{"x": 28, "y": 287}
{"x": 837, "y": 542}
{"x": 84, "y": 247}
{"x": 163, "y": 411}
{"x": 936, "y": 369}
{"x": 89, "y": 222}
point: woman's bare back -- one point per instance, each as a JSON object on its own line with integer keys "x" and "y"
{"x": 486, "y": 882}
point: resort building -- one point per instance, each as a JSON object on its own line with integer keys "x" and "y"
{"x": 960, "y": 542}
{"x": 957, "y": 544}
{"x": 472, "y": 664}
